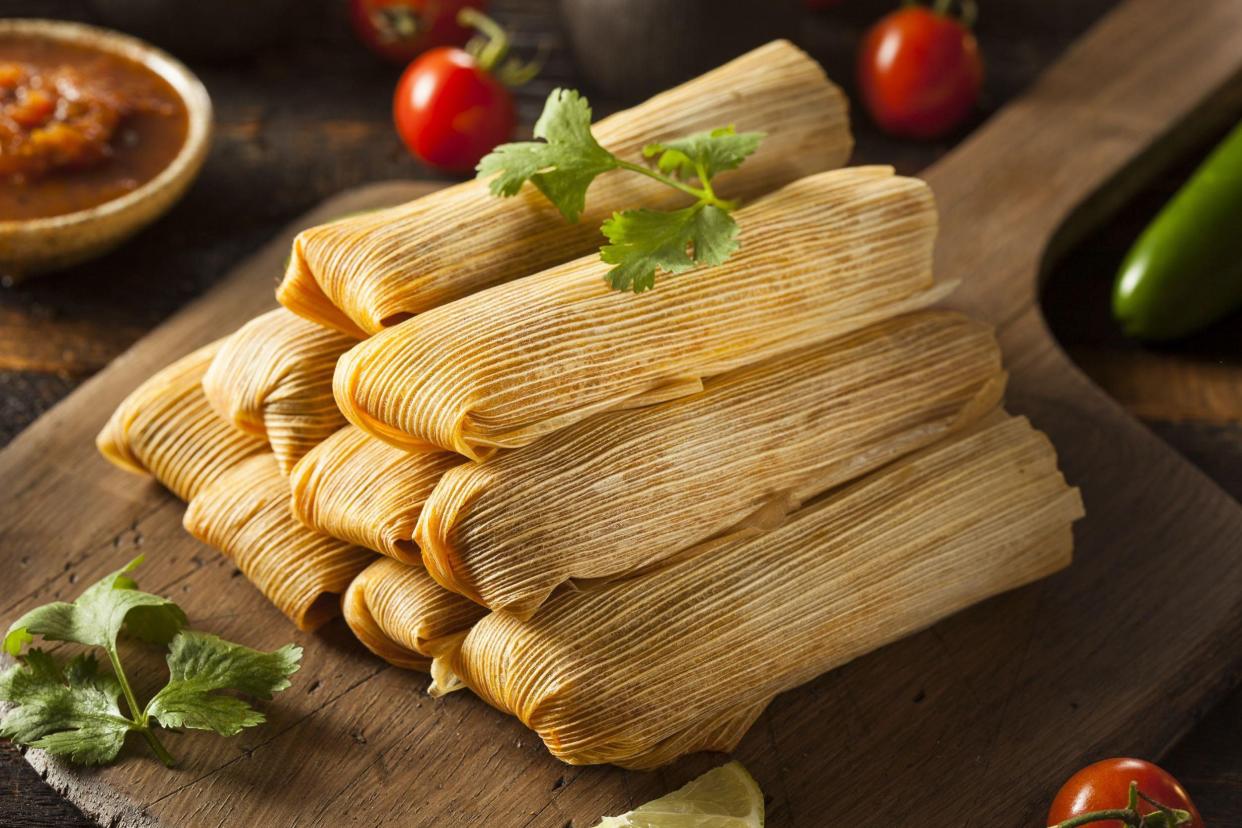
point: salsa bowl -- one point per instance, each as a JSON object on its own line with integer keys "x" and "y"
{"x": 39, "y": 244}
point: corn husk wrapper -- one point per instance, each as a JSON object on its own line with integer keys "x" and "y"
{"x": 821, "y": 258}
{"x": 166, "y": 428}
{"x": 355, "y": 487}
{"x": 273, "y": 378}
{"x": 245, "y": 514}
{"x": 620, "y": 491}
{"x": 399, "y": 613}
{"x": 364, "y": 273}
{"x": 638, "y": 671}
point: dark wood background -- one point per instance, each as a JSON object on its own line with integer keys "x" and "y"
{"x": 309, "y": 116}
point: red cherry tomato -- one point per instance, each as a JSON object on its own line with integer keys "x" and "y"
{"x": 401, "y": 30}
{"x": 449, "y": 111}
{"x": 1106, "y": 785}
{"x": 920, "y": 72}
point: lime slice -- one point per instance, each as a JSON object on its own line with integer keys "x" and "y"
{"x": 726, "y": 797}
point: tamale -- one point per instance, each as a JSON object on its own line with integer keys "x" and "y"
{"x": 273, "y": 379}
{"x": 620, "y": 490}
{"x": 166, "y": 428}
{"x": 638, "y": 671}
{"x": 245, "y": 514}
{"x": 360, "y": 489}
{"x": 822, "y": 257}
{"x": 399, "y": 613}
{"x": 366, "y": 272}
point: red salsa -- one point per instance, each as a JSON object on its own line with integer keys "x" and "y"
{"x": 79, "y": 127}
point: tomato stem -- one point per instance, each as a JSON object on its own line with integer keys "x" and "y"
{"x": 968, "y": 11}
{"x": 1126, "y": 815}
{"x": 1165, "y": 818}
{"x": 492, "y": 44}
{"x": 515, "y": 73}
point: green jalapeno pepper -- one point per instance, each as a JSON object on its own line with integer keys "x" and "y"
{"x": 1185, "y": 270}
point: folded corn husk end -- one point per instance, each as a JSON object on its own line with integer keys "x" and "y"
{"x": 455, "y": 491}
{"x": 358, "y": 488}
{"x": 115, "y": 448}
{"x": 114, "y": 439}
{"x": 166, "y": 429}
{"x": 344, "y": 385}
{"x": 272, "y": 378}
{"x": 364, "y": 627}
{"x": 245, "y": 514}
{"x": 404, "y": 617}
{"x": 301, "y": 293}
{"x": 443, "y": 680}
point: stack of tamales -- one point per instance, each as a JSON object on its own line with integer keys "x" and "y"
{"x": 628, "y": 520}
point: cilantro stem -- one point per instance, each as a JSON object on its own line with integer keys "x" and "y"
{"x": 137, "y": 715}
{"x": 705, "y": 180}
{"x": 705, "y": 194}
{"x": 130, "y": 701}
{"x": 160, "y": 751}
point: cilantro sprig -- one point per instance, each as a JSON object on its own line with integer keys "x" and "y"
{"x": 74, "y": 711}
{"x": 642, "y": 241}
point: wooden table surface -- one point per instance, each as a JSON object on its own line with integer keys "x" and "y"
{"x": 309, "y": 116}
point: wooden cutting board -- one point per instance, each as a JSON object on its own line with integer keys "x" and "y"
{"x": 973, "y": 722}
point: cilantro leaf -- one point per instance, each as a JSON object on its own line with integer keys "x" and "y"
{"x": 72, "y": 713}
{"x": 562, "y": 166}
{"x": 714, "y": 150}
{"x": 644, "y": 241}
{"x": 99, "y": 613}
{"x": 200, "y": 664}
{"x": 75, "y": 712}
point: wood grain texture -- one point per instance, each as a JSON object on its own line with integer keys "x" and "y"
{"x": 990, "y": 708}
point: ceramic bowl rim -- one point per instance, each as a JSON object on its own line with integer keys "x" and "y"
{"x": 184, "y": 82}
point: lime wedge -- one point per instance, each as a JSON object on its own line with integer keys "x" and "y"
{"x": 726, "y": 797}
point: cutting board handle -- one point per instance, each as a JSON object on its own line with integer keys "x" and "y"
{"x": 1147, "y": 83}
